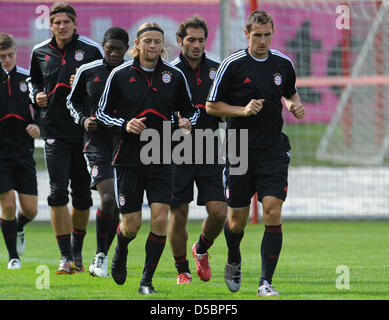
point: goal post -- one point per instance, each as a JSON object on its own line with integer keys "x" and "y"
{"x": 254, "y": 210}
{"x": 363, "y": 138}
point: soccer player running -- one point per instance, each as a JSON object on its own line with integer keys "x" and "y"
{"x": 248, "y": 89}
{"x": 200, "y": 72}
{"x": 87, "y": 87}
{"x": 18, "y": 129}
{"x": 142, "y": 94}
{"x": 52, "y": 64}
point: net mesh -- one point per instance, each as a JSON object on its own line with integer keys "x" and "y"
{"x": 357, "y": 133}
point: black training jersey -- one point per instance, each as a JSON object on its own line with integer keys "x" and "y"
{"x": 50, "y": 72}
{"x": 83, "y": 100}
{"x": 241, "y": 78}
{"x": 15, "y": 114}
{"x": 200, "y": 82}
{"x": 132, "y": 92}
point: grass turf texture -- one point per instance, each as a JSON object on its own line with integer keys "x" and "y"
{"x": 306, "y": 270}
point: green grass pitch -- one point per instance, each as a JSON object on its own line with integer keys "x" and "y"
{"x": 307, "y": 269}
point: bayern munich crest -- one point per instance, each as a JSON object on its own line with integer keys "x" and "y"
{"x": 277, "y": 79}
{"x": 122, "y": 200}
{"x": 79, "y": 55}
{"x": 166, "y": 77}
{"x": 23, "y": 86}
{"x": 50, "y": 141}
{"x": 94, "y": 171}
{"x": 212, "y": 73}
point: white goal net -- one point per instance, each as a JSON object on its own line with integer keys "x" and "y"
{"x": 358, "y": 132}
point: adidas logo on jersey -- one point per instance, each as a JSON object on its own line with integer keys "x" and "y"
{"x": 97, "y": 79}
{"x": 247, "y": 80}
{"x": 132, "y": 79}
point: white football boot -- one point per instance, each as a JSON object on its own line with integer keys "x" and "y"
{"x": 99, "y": 266}
{"x": 266, "y": 290}
{"x": 14, "y": 264}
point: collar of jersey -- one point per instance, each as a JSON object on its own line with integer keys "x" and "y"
{"x": 12, "y": 72}
{"x": 110, "y": 67}
{"x": 259, "y": 60}
{"x": 136, "y": 63}
{"x": 186, "y": 63}
{"x": 74, "y": 39}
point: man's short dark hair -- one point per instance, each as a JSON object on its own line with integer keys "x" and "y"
{"x": 62, "y": 7}
{"x": 259, "y": 17}
{"x": 6, "y": 41}
{"x": 116, "y": 33}
{"x": 195, "y": 22}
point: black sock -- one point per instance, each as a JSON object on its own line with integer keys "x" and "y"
{"x": 203, "y": 244}
{"x": 233, "y": 243}
{"x": 22, "y": 221}
{"x": 270, "y": 251}
{"x": 65, "y": 246}
{"x": 122, "y": 243}
{"x": 103, "y": 226}
{"x": 112, "y": 232}
{"x": 182, "y": 264}
{"x": 9, "y": 228}
{"x": 77, "y": 241}
{"x": 154, "y": 248}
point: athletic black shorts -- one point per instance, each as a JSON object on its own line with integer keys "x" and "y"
{"x": 209, "y": 182}
{"x": 131, "y": 183}
{"x": 65, "y": 162}
{"x": 18, "y": 174}
{"x": 267, "y": 178}
{"x": 99, "y": 167}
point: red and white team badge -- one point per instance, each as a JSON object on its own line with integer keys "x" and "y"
{"x": 212, "y": 73}
{"x": 50, "y": 141}
{"x": 23, "y": 86}
{"x": 166, "y": 77}
{"x": 79, "y": 55}
{"x": 94, "y": 171}
{"x": 278, "y": 79}
{"x": 122, "y": 200}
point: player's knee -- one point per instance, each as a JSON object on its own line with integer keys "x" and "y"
{"x": 30, "y": 211}
{"x": 160, "y": 219}
{"x": 218, "y": 213}
{"x": 130, "y": 232}
{"x": 131, "y": 228}
{"x": 180, "y": 211}
{"x": 108, "y": 202}
{"x": 238, "y": 219}
{"x": 237, "y": 225}
{"x": 179, "y": 217}
{"x": 272, "y": 214}
{"x": 218, "y": 219}
{"x": 8, "y": 210}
